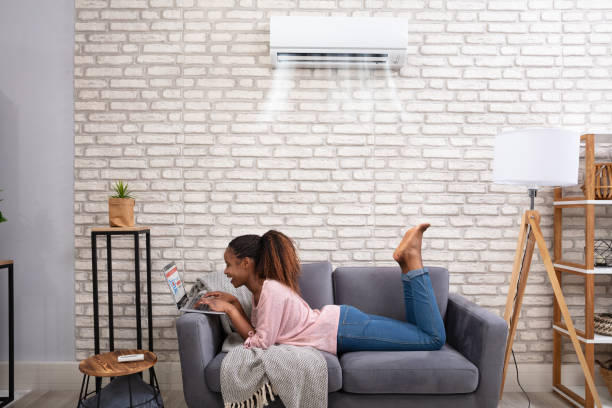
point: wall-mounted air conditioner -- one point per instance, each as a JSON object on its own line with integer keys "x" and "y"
{"x": 338, "y": 42}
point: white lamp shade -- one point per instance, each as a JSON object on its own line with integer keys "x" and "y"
{"x": 537, "y": 157}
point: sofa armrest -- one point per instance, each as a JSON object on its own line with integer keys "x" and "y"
{"x": 200, "y": 337}
{"x": 480, "y": 336}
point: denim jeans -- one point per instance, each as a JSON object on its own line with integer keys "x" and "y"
{"x": 422, "y": 330}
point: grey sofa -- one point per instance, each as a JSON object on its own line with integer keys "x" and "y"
{"x": 466, "y": 372}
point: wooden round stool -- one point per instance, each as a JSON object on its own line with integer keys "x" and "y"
{"x": 107, "y": 365}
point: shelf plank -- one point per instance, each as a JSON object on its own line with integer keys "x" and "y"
{"x": 597, "y": 339}
{"x": 570, "y": 267}
{"x": 570, "y": 396}
{"x": 579, "y": 331}
{"x": 579, "y": 201}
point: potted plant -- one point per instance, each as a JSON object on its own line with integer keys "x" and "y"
{"x": 121, "y": 206}
{"x": 2, "y": 219}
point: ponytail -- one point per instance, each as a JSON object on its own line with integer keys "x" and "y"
{"x": 274, "y": 255}
{"x": 278, "y": 260}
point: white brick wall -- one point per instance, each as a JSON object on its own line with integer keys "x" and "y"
{"x": 177, "y": 97}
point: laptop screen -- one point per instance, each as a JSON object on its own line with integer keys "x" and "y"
{"x": 174, "y": 282}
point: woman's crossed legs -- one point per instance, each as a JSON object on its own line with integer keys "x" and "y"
{"x": 423, "y": 329}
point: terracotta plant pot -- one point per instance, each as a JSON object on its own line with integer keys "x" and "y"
{"x": 121, "y": 212}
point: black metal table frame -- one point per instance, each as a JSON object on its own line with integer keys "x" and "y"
{"x": 85, "y": 386}
{"x": 109, "y": 269}
{"x": 11, "y": 317}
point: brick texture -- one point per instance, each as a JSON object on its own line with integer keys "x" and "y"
{"x": 177, "y": 97}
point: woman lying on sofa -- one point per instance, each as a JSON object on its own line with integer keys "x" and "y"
{"x": 269, "y": 267}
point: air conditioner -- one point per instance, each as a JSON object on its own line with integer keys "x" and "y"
{"x": 338, "y": 42}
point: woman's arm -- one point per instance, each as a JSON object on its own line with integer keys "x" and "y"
{"x": 235, "y": 313}
{"x": 234, "y": 301}
{"x": 271, "y": 308}
{"x": 239, "y": 320}
{"x": 238, "y": 306}
{"x": 226, "y": 297}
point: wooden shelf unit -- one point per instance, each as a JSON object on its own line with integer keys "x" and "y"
{"x": 604, "y": 395}
{"x": 587, "y": 336}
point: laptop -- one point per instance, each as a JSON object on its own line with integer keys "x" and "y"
{"x": 183, "y": 302}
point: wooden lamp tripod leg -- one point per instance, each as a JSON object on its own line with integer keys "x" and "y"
{"x": 534, "y": 221}
{"x": 514, "y": 306}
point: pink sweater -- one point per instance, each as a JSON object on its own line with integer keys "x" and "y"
{"x": 283, "y": 317}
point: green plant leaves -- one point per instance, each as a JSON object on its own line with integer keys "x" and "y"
{"x": 121, "y": 190}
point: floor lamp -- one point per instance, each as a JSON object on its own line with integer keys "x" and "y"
{"x": 537, "y": 157}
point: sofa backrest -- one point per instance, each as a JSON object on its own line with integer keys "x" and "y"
{"x": 379, "y": 290}
{"x": 316, "y": 284}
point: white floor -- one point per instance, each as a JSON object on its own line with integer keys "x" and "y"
{"x": 18, "y": 394}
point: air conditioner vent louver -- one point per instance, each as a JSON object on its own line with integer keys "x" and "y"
{"x": 372, "y": 42}
{"x": 331, "y": 58}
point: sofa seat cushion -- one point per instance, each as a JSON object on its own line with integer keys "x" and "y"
{"x": 443, "y": 371}
{"x": 334, "y": 372}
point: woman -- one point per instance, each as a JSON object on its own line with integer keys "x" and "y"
{"x": 269, "y": 267}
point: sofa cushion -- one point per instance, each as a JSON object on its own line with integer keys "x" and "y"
{"x": 334, "y": 373}
{"x": 316, "y": 284}
{"x": 443, "y": 371}
{"x": 379, "y": 290}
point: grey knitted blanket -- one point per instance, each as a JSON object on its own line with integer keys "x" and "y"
{"x": 251, "y": 377}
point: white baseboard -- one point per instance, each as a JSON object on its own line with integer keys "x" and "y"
{"x": 65, "y": 375}
{"x": 538, "y": 377}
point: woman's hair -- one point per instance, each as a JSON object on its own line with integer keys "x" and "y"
{"x": 274, "y": 255}
{"x": 246, "y": 246}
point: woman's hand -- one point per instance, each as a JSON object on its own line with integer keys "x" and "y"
{"x": 215, "y": 304}
{"x": 221, "y": 296}
{"x": 221, "y": 302}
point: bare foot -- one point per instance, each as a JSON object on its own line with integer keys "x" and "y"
{"x": 408, "y": 252}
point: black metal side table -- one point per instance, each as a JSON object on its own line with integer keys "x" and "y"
{"x": 11, "y": 317}
{"x": 108, "y": 232}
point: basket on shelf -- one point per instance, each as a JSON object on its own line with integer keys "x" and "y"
{"x": 602, "y": 249}
{"x": 603, "y": 181}
{"x": 605, "y": 369}
{"x": 603, "y": 323}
